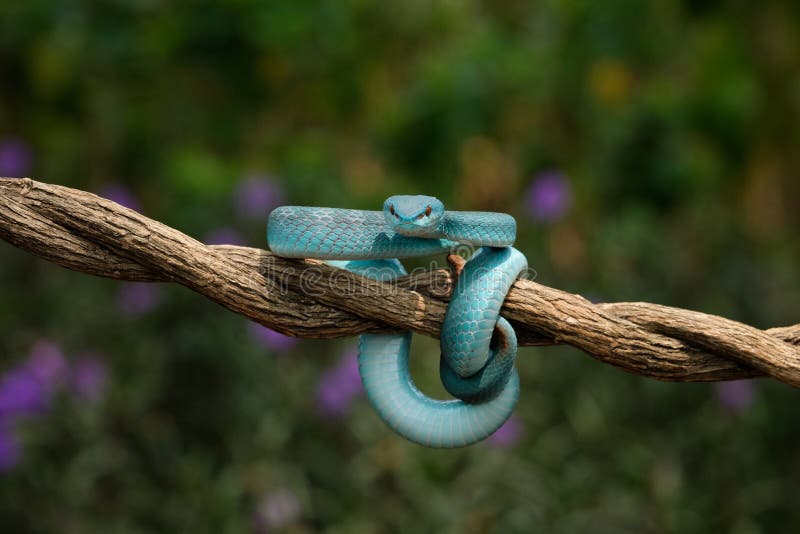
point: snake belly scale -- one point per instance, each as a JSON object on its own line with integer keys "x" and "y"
{"x": 478, "y": 346}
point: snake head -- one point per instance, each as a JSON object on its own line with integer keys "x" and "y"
{"x": 413, "y": 215}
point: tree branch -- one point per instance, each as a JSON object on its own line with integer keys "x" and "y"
{"x": 306, "y": 298}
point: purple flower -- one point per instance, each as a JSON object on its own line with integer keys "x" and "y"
{"x": 28, "y": 388}
{"x": 270, "y": 339}
{"x": 257, "y": 195}
{"x": 277, "y": 509}
{"x": 89, "y": 377}
{"x": 15, "y": 158}
{"x": 507, "y": 435}
{"x": 338, "y": 386}
{"x": 121, "y": 195}
{"x": 137, "y": 298}
{"x": 736, "y": 395}
{"x": 10, "y": 450}
{"x": 21, "y": 393}
{"x": 549, "y": 197}
{"x": 47, "y": 364}
{"x": 224, "y": 236}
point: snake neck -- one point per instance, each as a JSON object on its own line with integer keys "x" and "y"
{"x": 479, "y": 228}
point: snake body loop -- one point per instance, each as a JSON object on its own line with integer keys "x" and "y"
{"x": 478, "y": 346}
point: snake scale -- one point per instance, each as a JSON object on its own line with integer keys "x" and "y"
{"x": 475, "y": 367}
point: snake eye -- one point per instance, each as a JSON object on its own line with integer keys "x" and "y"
{"x": 391, "y": 209}
{"x": 428, "y": 211}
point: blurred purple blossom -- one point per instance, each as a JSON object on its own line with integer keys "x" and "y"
{"x": 339, "y": 385}
{"x": 89, "y": 377}
{"x": 736, "y": 395}
{"x": 257, "y": 195}
{"x": 10, "y": 450}
{"x": 270, "y": 339}
{"x": 27, "y": 388}
{"x": 507, "y": 435}
{"x": 47, "y": 364}
{"x": 121, "y": 195}
{"x": 21, "y": 393}
{"x": 277, "y": 509}
{"x": 16, "y": 158}
{"x": 549, "y": 197}
{"x": 224, "y": 236}
{"x": 137, "y": 298}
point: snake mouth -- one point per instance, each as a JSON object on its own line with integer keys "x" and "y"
{"x": 413, "y": 215}
{"x": 413, "y": 218}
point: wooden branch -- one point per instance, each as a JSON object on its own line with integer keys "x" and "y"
{"x": 306, "y": 298}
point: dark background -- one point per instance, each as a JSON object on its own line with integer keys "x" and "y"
{"x": 649, "y": 150}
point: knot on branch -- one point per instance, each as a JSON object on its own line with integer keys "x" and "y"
{"x": 305, "y": 298}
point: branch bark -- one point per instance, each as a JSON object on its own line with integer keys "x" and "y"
{"x": 306, "y": 298}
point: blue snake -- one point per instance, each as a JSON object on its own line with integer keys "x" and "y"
{"x": 476, "y": 367}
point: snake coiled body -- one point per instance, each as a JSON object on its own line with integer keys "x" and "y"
{"x": 476, "y": 366}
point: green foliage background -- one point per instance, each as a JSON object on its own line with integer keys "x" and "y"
{"x": 675, "y": 124}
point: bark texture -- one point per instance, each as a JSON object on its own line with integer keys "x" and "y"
{"x": 306, "y": 298}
